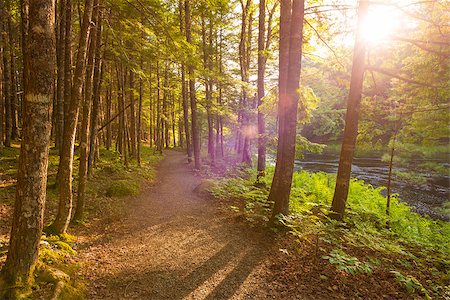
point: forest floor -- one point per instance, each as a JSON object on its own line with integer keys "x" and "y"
{"x": 176, "y": 243}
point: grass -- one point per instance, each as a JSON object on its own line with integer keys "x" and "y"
{"x": 404, "y": 241}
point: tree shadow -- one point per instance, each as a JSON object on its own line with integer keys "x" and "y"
{"x": 180, "y": 282}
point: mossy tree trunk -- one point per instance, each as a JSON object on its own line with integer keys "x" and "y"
{"x": 33, "y": 161}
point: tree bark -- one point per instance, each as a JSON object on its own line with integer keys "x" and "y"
{"x": 291, "y": 30}
{"x": 184, "y": 95}
{"x": 192, "y": 97}
{"x": 351, "y": 120}
{"x": 60, "y": 50}
{"x": 244, "y": 60}
{"x": 98, "y": 79}
{"x": 132, "y": 116}
{"x": 13, "y": 80}
{"x": 165, "y": 113}
{"x": 33, "y": 161}
{"x": 261, "y": 168}
{"x": 7, "y": 87}
{"x": 2, "y": 85}
{"x": 67, "y": 60}
{"x": 158, "y": 141}
{"x": 139, "y": 117}
{"x": 85, "y": 119}
{"x": 206, "y": 41}
{"x": 108, "y": 111}
{"x": 63, "y": 216}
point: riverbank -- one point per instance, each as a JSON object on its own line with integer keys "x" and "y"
{"x": 401, "y": 248}
{"x": 420, "y": 177}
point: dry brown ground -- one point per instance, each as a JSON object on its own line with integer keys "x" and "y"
{"x": 175, "y": 244}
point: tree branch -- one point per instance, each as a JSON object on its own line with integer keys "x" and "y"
{"x": 392, "y": 74}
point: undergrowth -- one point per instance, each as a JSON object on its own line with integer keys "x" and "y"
{"x": 106, "y": 200}
{"x": 404, "y": 239}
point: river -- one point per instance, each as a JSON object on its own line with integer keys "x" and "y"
{"x": 426, "y": 198}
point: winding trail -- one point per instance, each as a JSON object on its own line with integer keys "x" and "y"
{"x": 175, "y": 244}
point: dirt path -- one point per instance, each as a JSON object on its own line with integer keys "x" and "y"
{"x": 176, "y": 245}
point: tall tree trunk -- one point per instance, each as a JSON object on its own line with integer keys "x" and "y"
{"x": 98, "y": 79}
{"x": 261, "y": 168}
{"x": 85, "y": 119}
{"x": 291, "y": 30}
{"x": 33, "y": 161}
{"x": 193, "y": 100}
{"x": 139, "y": 118}
{"x": 132, "y": 116}
{"x": 13, "y": 80}
{"x": 7, "y": 88}
{"x": 60, "y": 50}
{"x": 12, "y": 109}
{"x": 61, "y": 222}
{"x": 285, "y": 21}
{"x": 220, "y": 119}
{"x": 2, "y": 85}
{"x": 108, "y": 111}
{"x": 123, "y": 115}
{"x": 165, "y": 114}
{"x": 151, "y": 108}
{"x": 208, "y": 92}
{"x": 184, "y": 95}
{"x": 244, "y": 57}
{"x": 351, "y": 120}
{"x": 67, "y": 61}
{"x": 120, "y": 145}
{"x": 172, "y": 113}
{"x": 158, "y": 110}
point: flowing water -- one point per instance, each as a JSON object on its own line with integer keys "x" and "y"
{"x": 427, "y": 198}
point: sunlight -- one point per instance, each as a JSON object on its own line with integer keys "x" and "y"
{"x": 380, "y": 24}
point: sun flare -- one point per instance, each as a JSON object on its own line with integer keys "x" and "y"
{"x": 380, "y": 24}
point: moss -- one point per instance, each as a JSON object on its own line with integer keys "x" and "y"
{"x": 72, "y": 293}
{"x": 122, "y": 188}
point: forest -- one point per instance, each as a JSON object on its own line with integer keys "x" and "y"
{"x": 224, "y": 149}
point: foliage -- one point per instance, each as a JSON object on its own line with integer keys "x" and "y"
{"x": 403, "y": 233}
{"x": 348, "y": 264}
{"x": 110, "y": 176}
{"x": 411, "y": 284}
{"x": 122, "y": 188}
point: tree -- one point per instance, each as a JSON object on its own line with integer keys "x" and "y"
{"x": 86, "y": 117}
{"x": 351, "y": 120}
{"x": 291, "y": 41}
{"x": 244, "y": 63}
{"x": 65, "y": 167}
{"x": 184, "y": 93}
{"x": 261, "y": 70}
{"x": 32, "y": 175}
{"x": 192, "y": 97}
